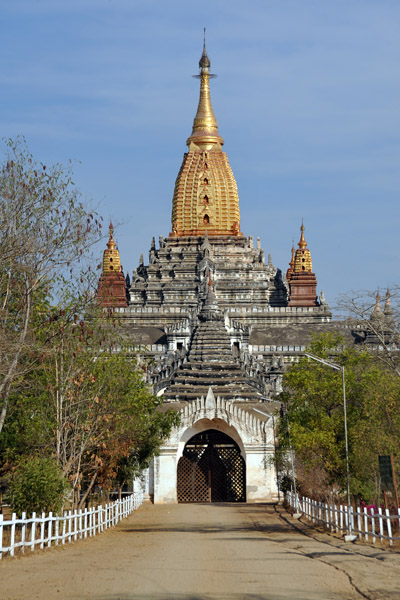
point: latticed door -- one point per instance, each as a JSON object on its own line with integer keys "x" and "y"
{"x": 211, "y": 470}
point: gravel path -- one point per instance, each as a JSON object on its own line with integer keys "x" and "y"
{"x": 203, "y": 551}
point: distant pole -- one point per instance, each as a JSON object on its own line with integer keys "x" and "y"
{"x": 341, "y": 368}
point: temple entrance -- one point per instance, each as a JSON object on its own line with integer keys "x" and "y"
{"x": 211, "y": 469}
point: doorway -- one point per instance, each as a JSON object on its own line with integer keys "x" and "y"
{"x": 211, "y": 469}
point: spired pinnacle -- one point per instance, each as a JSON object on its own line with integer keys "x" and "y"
{"x": 205, "y": 195}
{"x": 204, "y": 62}
{"x": 111, "y": 245}
{"x": 205, "y": 127}
{"x": 302, "y": 242}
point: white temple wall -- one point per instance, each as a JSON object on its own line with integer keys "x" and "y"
{"x": 260, "y": 475}
{"x": 165, "y": 476}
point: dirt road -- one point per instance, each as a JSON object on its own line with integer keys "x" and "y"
{"x": 196, "y": 552}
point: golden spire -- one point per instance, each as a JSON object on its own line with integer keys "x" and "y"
{"x": 378, "y": 302}
{"x": 291, "y": 264}
{"x": 111, "y": 258}
{"x": 293, "y": 255}
{"x": 302, "y": 260}
{"x": 205, "y": 128}
{"x": 387, "y": 303}
{"x": 205, "y": 196}
{"x": 302, "y": 242}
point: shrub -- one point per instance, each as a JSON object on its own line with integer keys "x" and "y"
{"x": 37, "y": 485}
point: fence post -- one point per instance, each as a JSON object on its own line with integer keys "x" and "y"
{"x": 23, "y": 532}
{"x": 100, "y": 518}
{"x": 389, "y": 526}
{"x": 33, "y": 531}
{"x": 75, "y": 525}
{"x": 365, "y": 523}
{"x": 50, "y": 529}
{"x": 12, "y": 540}
{"x": 373, "y": 526}
{"x": 335, "y": 510}
{"x": 42, "y": 525}
{"x": 69, "y": 526}
{"x": 85, "y": 520}
{"x": 380, "y": 524}
{"x": 358, "y": 512}
{"x": 351, "y": 518}
{"x": 64, "y": 528}
{"x": 80, "y": 524}
{"x": 341, "y": 518}
{"x": 57, "y": 529}
{"x": 1, "y": 535}
{"x": 331, "y": 516}
{"x": 96, "y": 520}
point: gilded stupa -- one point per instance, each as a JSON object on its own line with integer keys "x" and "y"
{"x": 111, "y": 290}
{"x": 301, "y": 279}
{"x": 205, "y": 196}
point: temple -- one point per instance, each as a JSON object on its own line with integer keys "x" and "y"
{"x": 111, "y": 291}
{"x": 220, "y": 324}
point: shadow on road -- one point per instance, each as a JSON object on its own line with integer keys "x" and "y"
{"x": 191, "y": 528}
{"x": 284, "y": 596}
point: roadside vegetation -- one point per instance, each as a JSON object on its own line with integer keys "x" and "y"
{"x": 312, "y": 423}
{"x": 76, "y": 417}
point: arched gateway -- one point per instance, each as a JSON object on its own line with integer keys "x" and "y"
{"x": 228, "y": 456}
{"x": 211, "y": 469}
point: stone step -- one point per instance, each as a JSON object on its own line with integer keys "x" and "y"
{"x": 228, "y": 368}
{"x": 190, "y": 393}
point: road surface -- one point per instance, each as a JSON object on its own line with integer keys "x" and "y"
{"x": 204, "y": 552}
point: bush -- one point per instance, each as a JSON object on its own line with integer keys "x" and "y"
{"x": 37, "y": 485}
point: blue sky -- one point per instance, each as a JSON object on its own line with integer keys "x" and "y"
{"x": 307, "y": 99}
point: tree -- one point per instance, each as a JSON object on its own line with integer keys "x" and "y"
{"x": 313, "y": 401}
{"x": 87, "y": 404}
{"x": 44, "y": 230}
{"x": 376, "y": 326}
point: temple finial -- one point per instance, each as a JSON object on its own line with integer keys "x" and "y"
{"x": 378, "y": 302}
{"x": 111, "y": 245}
{"x": 205, "y": 127}
{"x": 302, "y": 242}
{"x": 291, "y": 264}
{"x": 204, "y": 62}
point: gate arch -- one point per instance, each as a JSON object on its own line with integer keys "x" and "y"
{"x": 211, "y": 469}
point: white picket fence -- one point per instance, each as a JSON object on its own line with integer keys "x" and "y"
{"x": 45, "y": 530}
{"x": 366, "y": 523}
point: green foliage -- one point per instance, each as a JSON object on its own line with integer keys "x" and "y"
{"x": 45, "y": 235}
{"x": 37, "y": 485}
{"x": 64, "y": 389}
{"x": 313, "y": 399}
{"x": 87, "y": 404}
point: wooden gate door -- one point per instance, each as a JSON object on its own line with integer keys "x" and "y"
{"x": 211, "y": 470}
